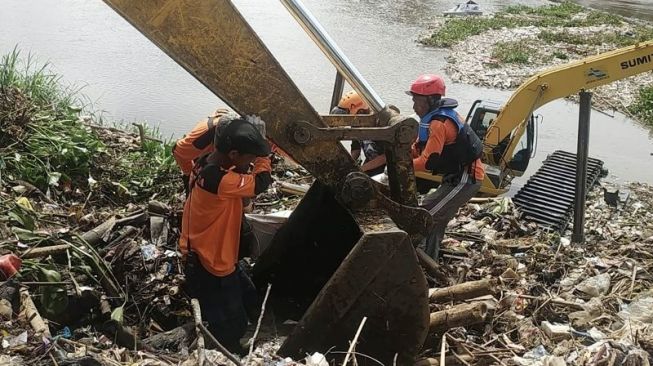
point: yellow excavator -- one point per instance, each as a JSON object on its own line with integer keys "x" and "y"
{"x": 347, "y": 252}
{"x": 508, "y": 131}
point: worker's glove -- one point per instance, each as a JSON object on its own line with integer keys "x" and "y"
{"x": 220, "y": 112}
{"x": 258, "y": 123}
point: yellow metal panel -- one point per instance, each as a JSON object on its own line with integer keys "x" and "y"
{"x": 214, "y": 43}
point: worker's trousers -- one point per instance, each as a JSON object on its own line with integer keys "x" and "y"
{"x": 443, "y": 205}
{"x": 227, "y": 303}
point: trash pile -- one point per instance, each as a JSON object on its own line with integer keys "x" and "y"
{"x": 553, "y": 302}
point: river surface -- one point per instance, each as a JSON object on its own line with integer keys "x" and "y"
{"x": 128, "y": 79}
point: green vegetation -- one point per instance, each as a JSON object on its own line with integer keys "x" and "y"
{"x": 566, "y": 14}
{"x": 43, "y": 142}
{"x": 643, "y": 107}
{"x": 513, "y": 52}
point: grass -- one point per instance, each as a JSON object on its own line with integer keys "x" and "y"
{"x": 566, "y": 14}
{"x": 45, "y": 143}
{"x": 643, "y": 107}
{"x": 512, "y": 52}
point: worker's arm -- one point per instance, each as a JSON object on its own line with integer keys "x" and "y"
{"x": 433, "y": 148}
{"x": 192, "y": 145}
{"x": 374, "y": 163}
{"x": 234, "y": 185}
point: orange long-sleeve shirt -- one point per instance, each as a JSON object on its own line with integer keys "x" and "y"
{"x": 196, "y": 143}
{"x": 441, "y": 134}
{"x": 213, "y": 213}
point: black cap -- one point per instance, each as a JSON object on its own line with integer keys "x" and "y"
{"x": 243, "y": 137}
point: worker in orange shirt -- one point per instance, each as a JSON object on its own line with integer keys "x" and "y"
{"x": 373, "y": 152}
{"x": 211, "y": 225}
{"x": 448, "y": 146}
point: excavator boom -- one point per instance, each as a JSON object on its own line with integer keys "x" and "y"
{"x": 347, "y": 250}
{"x": 559, "y": 82}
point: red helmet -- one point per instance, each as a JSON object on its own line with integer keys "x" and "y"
{"x": 427, "y": 84}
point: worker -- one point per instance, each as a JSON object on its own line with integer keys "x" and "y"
{"x": 448, "y": 146}
{"x": 211, "y": 224}
{"x": 200, "y": 141}
{"x": 374, "y": 163}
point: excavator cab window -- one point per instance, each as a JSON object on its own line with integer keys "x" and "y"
{"x": 524, "y": 150}
{"x": 480, "y": 116}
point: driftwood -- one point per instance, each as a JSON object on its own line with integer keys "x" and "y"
{"x": 464, "y": 291}
{"x": 296, "y": 189}
{"x": 159, "y": 208}
{"x": 96, "y": 235}
{"x": 174, "y": 339}
{"x": 197, "y": 314}
{"x": 28, "y": 308}
{"x": 457, "y": 316}
{"x": 46, "y": 251}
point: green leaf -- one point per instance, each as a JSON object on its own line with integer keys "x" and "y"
{"x": 118, "y": 314}
{"x": 53, "y": 178}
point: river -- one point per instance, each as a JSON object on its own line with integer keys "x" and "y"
{"x": 127, "y": 78}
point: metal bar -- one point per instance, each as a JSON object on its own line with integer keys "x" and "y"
{"x": 338, "y": 88}
{"x": 578, "y": 235}
{"x": 334, "y": 53}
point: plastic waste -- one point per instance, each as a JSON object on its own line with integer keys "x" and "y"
{"x": 595, "y": 286}
{"x": 641, "y": 309}
{"x": 10, "y": 265}
{"x": 316, "y": 359}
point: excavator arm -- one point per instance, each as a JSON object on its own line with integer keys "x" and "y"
{"x": 347, "y": 251}
{"x": 559, "y": 82}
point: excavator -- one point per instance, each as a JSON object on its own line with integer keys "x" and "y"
{"x": 345, "y": 264}
{"x": 508, "y": 130}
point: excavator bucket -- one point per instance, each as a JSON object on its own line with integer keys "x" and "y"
{"x": 329, "y": 266}
{"x": 331, "y": 272}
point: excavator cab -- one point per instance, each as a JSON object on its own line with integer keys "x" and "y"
{"x": 481, "y": 116}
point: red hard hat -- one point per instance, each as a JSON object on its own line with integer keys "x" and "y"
{"x": 427, "y": 84}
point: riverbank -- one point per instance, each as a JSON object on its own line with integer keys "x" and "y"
{"x": 90, "y": 220}
{"x": 504, "y": 49}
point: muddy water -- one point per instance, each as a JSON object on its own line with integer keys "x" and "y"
{"x": 130, "y": 79}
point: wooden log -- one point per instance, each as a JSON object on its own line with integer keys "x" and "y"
{"x": 464, "y": 291}
{"x": 457, "y": 316}
{"x": 429, "y": 264}
{"x": 28, "y": 308}
{"x": 197, "y": 315}
{"x": 174, "y": 339}
{"x": 46, "y": 251}
{"x": 159, "y": 208}
{"x": 296, "y": 189}
{"x": 96, "y": 235}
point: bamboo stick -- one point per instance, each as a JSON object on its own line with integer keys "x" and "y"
{"x": 45, "y": 251}
{"x": 32, "y": 314}
{"x": 201, "y": 355}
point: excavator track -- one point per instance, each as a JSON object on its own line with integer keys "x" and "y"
{"x": 548, "y": 196}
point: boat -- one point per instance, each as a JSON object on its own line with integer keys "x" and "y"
{"x": 463, "y": 9}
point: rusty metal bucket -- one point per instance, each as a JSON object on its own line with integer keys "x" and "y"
{"x": 329, "y": 273}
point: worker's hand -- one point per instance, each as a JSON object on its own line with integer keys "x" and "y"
{"x": 220, "y": 112}
{"x": 258, "y": 123}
